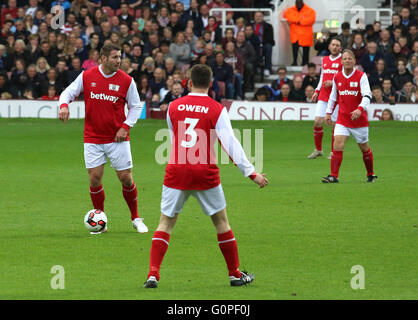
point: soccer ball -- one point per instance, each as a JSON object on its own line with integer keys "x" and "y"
{"x": 95, "y": 220}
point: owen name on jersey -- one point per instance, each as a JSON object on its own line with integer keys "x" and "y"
{"x": 193, "y": 108}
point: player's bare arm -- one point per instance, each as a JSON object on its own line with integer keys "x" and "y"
{"x": 328, "y": 121}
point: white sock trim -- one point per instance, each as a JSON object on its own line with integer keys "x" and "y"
{"x": 229, "y": 240}
{"x": 161, "y": 240}
{"x": 96, "y": 192}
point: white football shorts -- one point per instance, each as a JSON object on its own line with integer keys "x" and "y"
{"x": 118, "y": 153}
{"x": 360, "y": 134}
{"x": 321, "y": 110}
{"x": 211, "y": 200}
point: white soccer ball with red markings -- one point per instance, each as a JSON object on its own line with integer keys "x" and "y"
{"x": 95, "y": 220}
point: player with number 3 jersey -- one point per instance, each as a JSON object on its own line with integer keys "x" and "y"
{"x": 196, "y": 122}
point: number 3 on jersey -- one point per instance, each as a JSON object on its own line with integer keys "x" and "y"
{"x": 190, "y": 132}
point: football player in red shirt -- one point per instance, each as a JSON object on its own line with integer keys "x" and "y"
{"x": 351, "y": 90}
{"x": 331, "y": 65}
{"x": 106, "y": 90}
{"x": 196, "y": 121}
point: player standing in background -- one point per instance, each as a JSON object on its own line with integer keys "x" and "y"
{"x": 351, "y": 90}
{"x": 331, "y": 65}
{"x": 196, "y": 122}
{"x": 106, "y": 128}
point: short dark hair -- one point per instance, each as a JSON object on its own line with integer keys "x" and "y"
{"x": 108, "y": 48}
{"x": 337, "y": 39}
{"x": 345, "y": 26}
{"x": 201, "y": 76}
{"x": 376, "y": 88}
{"x": 311, "y": 65}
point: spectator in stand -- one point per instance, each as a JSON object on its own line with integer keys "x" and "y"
{"x": 124, "y": 14}
{"x": 284, "y": 93}
{"x": 377, "y": 27}
{"x": 387, "y": 115}
{"x": 358, "y": 45}
{"x": 180, "y": 51}
{"x": 312, "y": 78}
{"x": 32, "y": 8}
{"x": 371, "y": 35}
{"x": 415, "y": 76}
{"x": 4, "y": 83}
{"x": 412, "y": 35}
{"x": 218, "y": 14}
{"x": 385, "y": 42}
{"x": 163, "y": 17}
{"x": 322, "y": 44}
{"x": 146, "y": 16}
{"x": 34, "y": 79}
{"x": 262, "y": 94}
{"x": 18, "y": 70}
{"x": 175, "y": 93}
{"x": 137, "y": 58}
{"x": 412, "y": 62}
{"x": 62, "y": 72}
{"x": 169, "y": 66}
{"x": 283, "y": 79}
{"x": 309, "y": 92}
{"x": 247, "y": 51}
{"x": 396, "y": 22}
{"x": 20, "y": 52}
{"x": 253, "y": 40}
{"x": 198, "y": 50}
{"x": 397, "y": 34}
{"x": 236, "y": 61}
{"x": 152, "y": 45}
{"x": 52, "y": 94}
{"x": 10, "y": 9}
{"x": 377, "y": 95}
{"x": 5, "y": 59}
{"x": 345, "y": 35}
{"x": 210, "y": 53}
{"x": 51, "y": 79}
{"x": 301, "y": 19}
{"x": 297, "y": 92}
{"x": 393, "y": 56}
{"x": 167, "y": 88}
{"x": 368, "y": 60}
{"x": 229, "y": 36}
{"x": 144, "y": 90}
{"x": 75, "y": 69}
{"x": 412, "y": 5}
{"x": 388, "y": 91}
{"x": 148, "y": 68}
{"x": 158, "y": 81}
{"x": 214, "y": 29}
{"x": 174, "y": 24}
{"x": 42, "y": 66}
{"x": 379, "y": 73}
{"x": 264, "y": 32}
{"x": 193, "y": 13}
{"x": 92, "y": 61}
{"x": 224, "y": 72}
{"x": 405, "y": 51}
{"x": 401, "y": 76}
{"x": 239, "y": 25}
{"x": 126, "y": 66}
{"x": 406, "y": 18}
{"x": 407, "y": 93}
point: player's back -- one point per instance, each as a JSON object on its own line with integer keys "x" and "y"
{"x": 192, "y": 165}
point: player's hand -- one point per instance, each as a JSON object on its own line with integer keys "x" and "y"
{"x": 315, "y": 97}
{"x": 328, "y": 119}
{"x": 121, "y": 135}
{"x": 164, "y": 107}
{"x": 64, "y": 114}
{"x": 355, "y": 114}
{"x": 328, "y": 83}
{"x": 261, "y": 180}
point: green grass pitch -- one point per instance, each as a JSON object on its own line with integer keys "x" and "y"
{"x": 300, "y": 237}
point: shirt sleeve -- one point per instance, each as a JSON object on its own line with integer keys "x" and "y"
{"x": 365, "y": 92}
{"x": 72, "y": 91}
{"x": 319, "y": 86}
{"x": 231, "y": 145}
{"x": 170, "y": 125}
{"x": 134, "y": 105}
{"x": 332, "y": 98}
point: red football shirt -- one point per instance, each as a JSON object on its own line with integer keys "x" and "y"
{"x": 196, "y": 121}
{"x": 330, "y": 67}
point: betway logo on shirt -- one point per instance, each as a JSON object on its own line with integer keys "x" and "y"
{"x": 330, "y": 71}
{"x": 102, "y": 96}
{"x": 348, "y": 92}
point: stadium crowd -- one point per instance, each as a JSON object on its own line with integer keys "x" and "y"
{"x": 162, "y": 39}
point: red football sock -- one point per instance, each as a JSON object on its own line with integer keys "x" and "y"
{"x": 336, "y": 159}
{"x": 368, "y": 161}
{"x": 97, "y": 197}
{"x": 159, "y": 247}
{"x": 229, "y": 249}
{"x": 318, "y": 134}
{"x": 131, "y": 197}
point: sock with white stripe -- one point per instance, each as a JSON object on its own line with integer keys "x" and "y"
{"x": 131, "y": 197}
{"x": 97, "y": 197}
{"x": 159, "y": 247}
{"x": 229, "y": 249}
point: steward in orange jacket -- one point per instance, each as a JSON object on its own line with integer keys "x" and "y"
{"x": 301, "y": 18}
